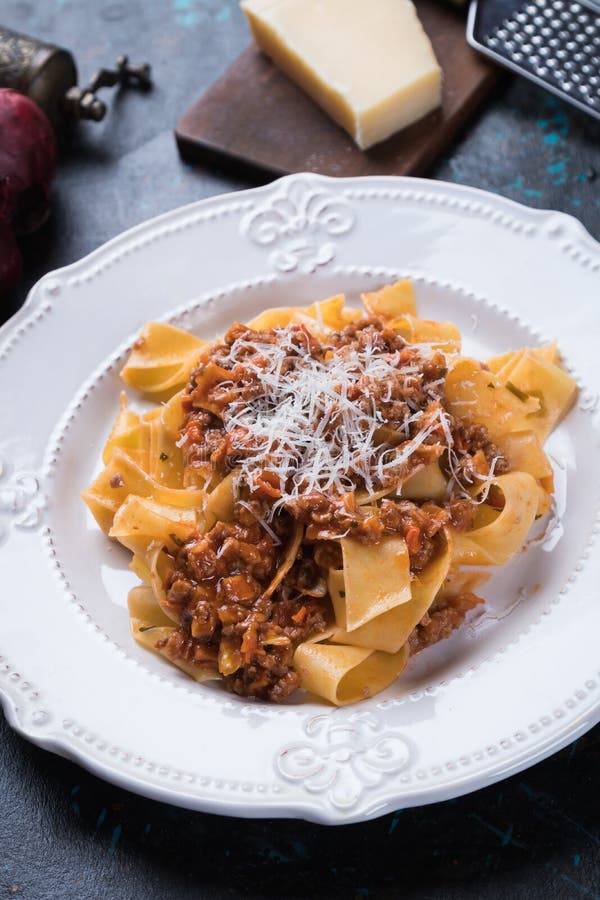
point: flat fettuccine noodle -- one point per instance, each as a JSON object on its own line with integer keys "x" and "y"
{"x": 140, "y": 521}
{"x": 121, "y": 477}
{"x": 162, "y": 359}
{"x": 125, "y": 433}
{"x": 426, "y": 483}
{"x": 377, "y": 578}
{"x": 504, "y": 364}
{"x": 392, "y": 300}
{"x": 462, "y": 581}
{"x": 344, "y": 674}
{"x": 278, "y": 317}
{"x": 533, "y": 376}
{"x": 480, "y": 397}
{"x": 217, "y": 506}
{"x": 504, "y": 532}
{"x": 390, "y": 630}
{"x": 329, "y": 312}
{"x": 525, "y": 453}
{"x": 441, "y": 335}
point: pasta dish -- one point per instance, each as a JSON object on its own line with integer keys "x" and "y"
{"x": 315, "y": 496}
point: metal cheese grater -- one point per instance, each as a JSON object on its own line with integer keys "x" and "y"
{"x": 552, "y": 42}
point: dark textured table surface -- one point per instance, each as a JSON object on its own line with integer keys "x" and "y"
{"x": 64, "y": 833}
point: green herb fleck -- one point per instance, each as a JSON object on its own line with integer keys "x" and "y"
{"x": 543, "y": 410}
{"x": 175, "y": 539}
{"x": 491, "y": 385}
{"x": 342, "y": 594}
{"x": 519, "y": 394}
{"x": 147, "y": 628}
{"x": 354, "y": 524}
{"x": 163, "y": 456}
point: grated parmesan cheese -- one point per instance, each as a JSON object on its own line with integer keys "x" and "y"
{"x": 303, "y": 425}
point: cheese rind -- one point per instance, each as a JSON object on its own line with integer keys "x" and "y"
{"x": 368, "y": 63}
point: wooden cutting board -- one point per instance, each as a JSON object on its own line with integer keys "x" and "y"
{"x": 256, "y": 121}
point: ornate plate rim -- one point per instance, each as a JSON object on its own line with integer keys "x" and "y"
{"x": 580, "y": 246}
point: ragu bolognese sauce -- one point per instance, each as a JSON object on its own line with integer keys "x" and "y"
{"x": 310, "y": 425}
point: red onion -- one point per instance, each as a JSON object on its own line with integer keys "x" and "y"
{"x": 27, "y": 161}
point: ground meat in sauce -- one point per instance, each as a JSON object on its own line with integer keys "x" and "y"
{"x": 441, "y": 620}
{"x": 472, "y": 443}
{"x": 218, "y": 587}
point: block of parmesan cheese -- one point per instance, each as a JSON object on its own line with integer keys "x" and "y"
{"x": 368, "y": 63}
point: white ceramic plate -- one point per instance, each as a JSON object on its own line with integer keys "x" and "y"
{"x": 516, "y": 685}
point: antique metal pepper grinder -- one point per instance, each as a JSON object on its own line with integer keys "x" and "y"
{"x": 48, "y": 75}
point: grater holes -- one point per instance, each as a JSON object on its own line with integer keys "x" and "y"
{"x": 556, "y": 40}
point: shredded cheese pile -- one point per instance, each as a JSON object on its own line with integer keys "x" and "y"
{"x": 305, "y": 429}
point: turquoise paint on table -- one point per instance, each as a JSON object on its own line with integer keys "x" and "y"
{"x": 518, "y": 185}
{"x": 554, "y": 168}
{"x": 186, "y": 13}
{"x": 116, "y": 836}
{"x": 190, "y": 13}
